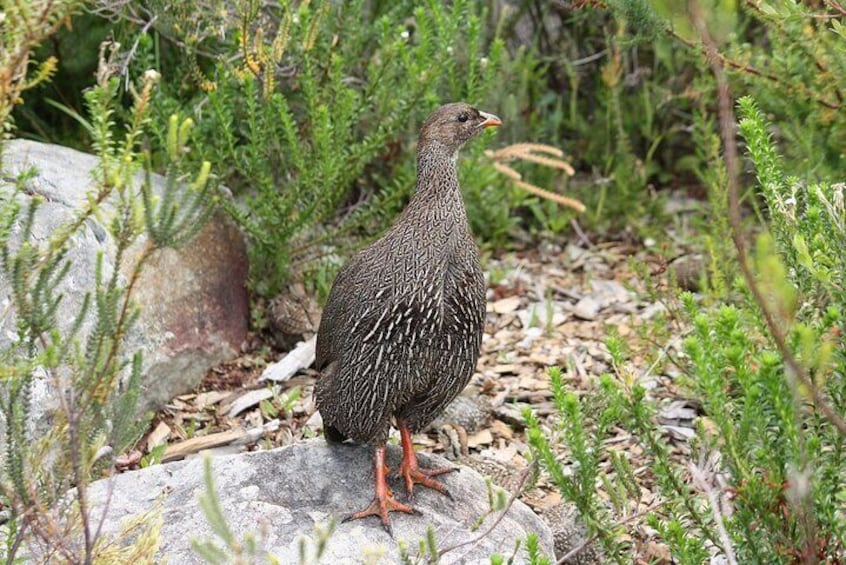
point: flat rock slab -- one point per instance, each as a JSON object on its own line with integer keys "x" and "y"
{"x": 282, "y": 494}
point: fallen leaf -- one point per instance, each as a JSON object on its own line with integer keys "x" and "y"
{"x": 209, "y": 398}
{"x": 301, "y": 357}
{"x": 587, "y": 308}
{"x": 504, "y": 305}
{"x": 509, "y": 368}
{"x": 248, "y": 400}
{"x": 500, "y": 428}
{"x": 158, "y": 436}
{"x": 482, "y": 437}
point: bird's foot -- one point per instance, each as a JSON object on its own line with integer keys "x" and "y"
{"x": 411, "y": 471}
{"x": 415, "y": 475}
{"x": 381, "y": 506}
{"x": 383, "y": 499}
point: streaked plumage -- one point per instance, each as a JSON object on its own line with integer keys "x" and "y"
{"x": 401, "y": 331}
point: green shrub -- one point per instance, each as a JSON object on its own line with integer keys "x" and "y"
{"x": 799, "y": 77}
{"x": 96, "y": 380}
{"x": 616, "y": 97}
{"x": 310, "y": 109}
{"x": 23, "y": 28}
{"x": 319, "y": 100}
{"x": 779, "y": 456}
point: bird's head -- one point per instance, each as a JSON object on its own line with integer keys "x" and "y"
{"x": 452, "y": 125}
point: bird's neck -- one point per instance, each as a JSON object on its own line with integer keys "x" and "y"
{"x": 437, "y": 172}
{"x": 436, "y": 207}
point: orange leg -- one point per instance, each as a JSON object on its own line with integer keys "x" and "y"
{"x": 411, "y": 471}
{"x": 383, "y": 501}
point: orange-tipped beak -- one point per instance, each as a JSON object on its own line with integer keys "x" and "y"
{"x": 490, "y": 120}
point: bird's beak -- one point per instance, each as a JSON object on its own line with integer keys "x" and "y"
{"x": 490, "y": 120}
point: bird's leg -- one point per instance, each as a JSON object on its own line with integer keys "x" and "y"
{"x": 412, "y": 472}
{"x": 383, "y": 501}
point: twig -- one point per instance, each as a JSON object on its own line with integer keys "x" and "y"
{"x": 124, "y": 68}
{"x": 581, "y": 234}
{"x": 18, "y": 541}
{"x": 110, "y": 487}
{"x": 836, "y": 6}
{"x": 589, "y": 58}
{"x": 81, "y": 494}
{"x": 699, "y": 480}
{"x": 551, "y": 163}
{"x": 755, "y": 71}
{"x": 48, "y": 532}
{"x": 631, "y": 518}
{"x": 527, "y": 152}
{"x": 563, "y": 200}
{"x": 70, "y": 406}
{"x": 516, "y": 178}
{"x": 524, "y": 476}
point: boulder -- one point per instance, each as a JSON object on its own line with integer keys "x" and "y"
{"x": 194, "y": 302}
{"x": 282, "y": 494}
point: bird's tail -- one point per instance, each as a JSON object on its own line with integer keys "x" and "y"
{"x": 333, "y": 434}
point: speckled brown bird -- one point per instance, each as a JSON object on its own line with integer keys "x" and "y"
{"x": 402, "y": 329}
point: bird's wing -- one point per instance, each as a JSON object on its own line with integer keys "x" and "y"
{"x": 375, "y": 336}
{"x": 332, "y": 319}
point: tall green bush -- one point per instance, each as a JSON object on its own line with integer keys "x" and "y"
{"x": 766, "y": 485}
{"x": 24, "y": 27}
{"x": 307, "y": 105}
{"x": 94, "y": 377}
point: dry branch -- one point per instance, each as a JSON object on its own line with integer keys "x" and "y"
{"x": 521, "y": 484}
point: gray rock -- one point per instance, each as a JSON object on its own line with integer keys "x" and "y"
{"x": 571, "y": 535}
{"x": 604, "y": 293}
{"x": 568, "y": 529}
{"x": 194, "y": 303}
{"x": 286, "y": 492}
{"x": 587, "y": 308}
{"x": 470, "y": 410}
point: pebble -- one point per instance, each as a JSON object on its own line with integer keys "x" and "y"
{"x": 587, "y": 308}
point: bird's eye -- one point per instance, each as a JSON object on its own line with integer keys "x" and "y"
{"x": 463, "y": 118}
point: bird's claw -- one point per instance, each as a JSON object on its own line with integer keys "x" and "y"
{"x": 416, "y": 475}
{"x": 382, "y": 507}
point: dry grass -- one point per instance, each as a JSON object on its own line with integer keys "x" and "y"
{"x": 545, "y": 155}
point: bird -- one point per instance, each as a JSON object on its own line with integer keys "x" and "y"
{"x": 401, "y": 331}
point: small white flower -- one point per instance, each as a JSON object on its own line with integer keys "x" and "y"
{"x": 450, "y": 50}
{"x": 404, "y": 35}
{"x": 483, "y": 63}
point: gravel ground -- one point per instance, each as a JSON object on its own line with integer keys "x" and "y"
{"x": 549, "y": 305}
